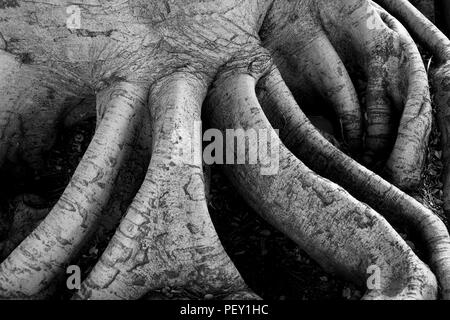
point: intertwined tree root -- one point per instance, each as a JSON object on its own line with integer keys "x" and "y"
{"x": 153, "y": 67}
{"x": 439, "y": 45}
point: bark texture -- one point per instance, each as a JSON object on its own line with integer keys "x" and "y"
{"x": 431, "y": 37}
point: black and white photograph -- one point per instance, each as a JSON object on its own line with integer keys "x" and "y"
{"x": 223, "y": 157}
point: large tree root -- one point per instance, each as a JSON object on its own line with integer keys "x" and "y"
{"x": 309, "y": 145}
{"x": 43, "y": 255}
{"x": 342, "y": 234}
{"x": 397, "y": 105}
{"x": 303, "y": 139}
{"x": 439, "y": 45}
{"x": 144, "y": 162}
{"x": 167, "y": 238}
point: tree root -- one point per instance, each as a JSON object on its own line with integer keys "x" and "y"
{"x": 303, "y": 139}
{"x": 397, "y": 95}
{"x": 167, "y": 238}
{"x": 149, "y": 126}
{"x": 439, "y": 45}
{"x": 43, "y": 255}
{"x": 320, "y": 62}
{"x": 340, "y": 233}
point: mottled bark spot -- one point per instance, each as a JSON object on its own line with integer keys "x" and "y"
{"x": 192, "y": 228}
{"x": 138, "y": 281}
{"x": 364, "y": 220}
{"x": 191, "y": 189}
{"x": 62, "y": 241}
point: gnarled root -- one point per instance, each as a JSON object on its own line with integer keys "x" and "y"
{"x": 166, "y": 238}
{"x": 439, "y": 45}
{"x": 32, "y": 269}
{"x": 309, "y": 48}
{"x": 303, "y": 139}
{"x": 441, "y": 86}
{"x": 339, "y": 232}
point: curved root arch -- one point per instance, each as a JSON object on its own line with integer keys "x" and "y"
{"x": 439, "y": 45}
{"x": 333, "y": 217}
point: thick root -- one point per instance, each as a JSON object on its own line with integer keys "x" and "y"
{"x": 302, "y": 138}
{"x": 340, "y": 233}
{"x": 441, "y": 85}
{"x": 415, "y": 124}
{"x": 33, "y": 268}
{"x": 167, "y": 238}
{"x": 397, "y": 95}
{"x": 439, "y": 45}
{"x": 319, "y": 63}
{"x": 422, "y": 28}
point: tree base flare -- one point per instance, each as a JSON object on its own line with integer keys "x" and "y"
{"x": 247, "y": 63}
